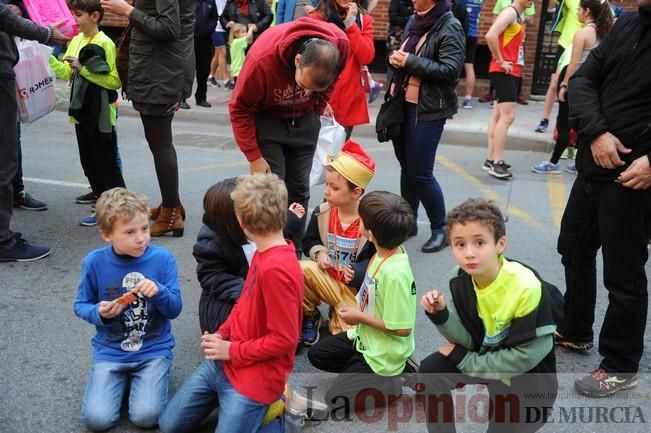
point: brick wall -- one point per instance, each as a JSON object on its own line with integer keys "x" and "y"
{"x": 381, "y": 21}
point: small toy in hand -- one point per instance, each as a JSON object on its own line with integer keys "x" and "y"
{"x": 127, "y": 298}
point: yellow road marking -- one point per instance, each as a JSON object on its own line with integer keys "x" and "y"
{"x": 557, "y": 198}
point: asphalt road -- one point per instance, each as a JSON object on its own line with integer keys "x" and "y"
{"x": 45, "y": 351}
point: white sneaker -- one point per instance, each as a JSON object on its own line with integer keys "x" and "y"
{"x": 303, "y": 407}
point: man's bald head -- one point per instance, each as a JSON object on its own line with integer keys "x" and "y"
{"x": 322, "y": 58}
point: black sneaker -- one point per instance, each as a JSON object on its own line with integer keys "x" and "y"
{"x": 500, "y": 171}
{"x": 89, "y": 198}
{"x": 203, "y": 103}
{"x": 27, "y": 202}
{"x": 184, "y": 105}
{"x": 600, "y": 383}
{"x": 487, "y": 165}
{"x": 574, "y": 346}
{"x": 23, "y": 251}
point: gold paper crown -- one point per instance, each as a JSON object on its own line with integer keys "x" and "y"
{"x": 352, "y": 169}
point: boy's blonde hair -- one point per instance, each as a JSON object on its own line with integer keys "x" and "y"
{"x": 261, "y": 203}
{"x": 119, "y": 203}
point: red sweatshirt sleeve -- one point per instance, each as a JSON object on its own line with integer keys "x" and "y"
{"x": 283, "y": 301}
{"x": 247, "y": 96}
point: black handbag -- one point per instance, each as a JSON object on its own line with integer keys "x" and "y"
{"x": 391, "y": 117}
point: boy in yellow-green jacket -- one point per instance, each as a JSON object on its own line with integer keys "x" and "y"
{"x": 89, "y": 65}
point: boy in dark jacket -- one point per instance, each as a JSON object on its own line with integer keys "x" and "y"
{"x": 338, "y": 251}
{"x": 499, "y": 326}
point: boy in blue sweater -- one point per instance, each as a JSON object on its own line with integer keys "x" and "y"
{"x": 129, "y": 290}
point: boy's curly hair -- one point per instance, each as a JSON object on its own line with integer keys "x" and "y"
{"x": 119, "y": 203}
{"x": 478, "y": 210}
{"x": 261, "y": 203}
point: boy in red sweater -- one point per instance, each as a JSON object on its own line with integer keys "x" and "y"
{"x": 249, "y": 358}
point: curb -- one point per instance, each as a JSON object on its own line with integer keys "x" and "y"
{"x": 470, "y": 135}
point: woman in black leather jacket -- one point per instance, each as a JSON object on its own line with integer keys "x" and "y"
{"x": 426, "y": 72}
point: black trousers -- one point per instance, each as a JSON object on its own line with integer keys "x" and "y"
{"x": 512, "y": 411}
{"x": 8, "y": 158}
{"x": 18, "y": 178}
{"x": 618, "y": 220}
{"x": 288, "y": 149}
{"x": 203, "y": 49}
{"x": 562, "y": 123}
{"x": 337, "y": 354}
{"x": 98, "y": 155}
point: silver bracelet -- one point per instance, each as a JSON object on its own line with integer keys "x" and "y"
{"x": 50, "y": 34}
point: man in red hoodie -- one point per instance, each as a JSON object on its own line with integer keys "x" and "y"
{"x": 283, "y": 88}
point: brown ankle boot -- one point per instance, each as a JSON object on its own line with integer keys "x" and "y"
{"x": 155, "y": 211}
{"x": 169, "y": 220}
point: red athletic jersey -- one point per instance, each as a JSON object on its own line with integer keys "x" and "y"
{"x": 511, "y": 49}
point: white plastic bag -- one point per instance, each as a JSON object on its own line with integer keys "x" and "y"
{"x": 331, "y": 138}
{"x": 34, "y": 81}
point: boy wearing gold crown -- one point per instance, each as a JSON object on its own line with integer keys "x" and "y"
{"x": 338, "y": 252}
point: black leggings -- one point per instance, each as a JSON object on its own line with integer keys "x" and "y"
{"x": 158, "y": 132}
{"x": 439, "y": 376}
{"x": 562, "y": 124}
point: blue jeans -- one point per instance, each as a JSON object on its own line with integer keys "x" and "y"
{"x": 416, "y": 152}
{"x": 208, "y": 388}
{"x": 107, "y": 383}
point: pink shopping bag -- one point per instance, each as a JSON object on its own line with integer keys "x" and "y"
{"x": 46, "y": 12}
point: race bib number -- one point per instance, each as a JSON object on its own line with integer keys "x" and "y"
{"x": 366, "y": 295}
{"x": 342, "y": 251}
{"x": 521, "y": 56}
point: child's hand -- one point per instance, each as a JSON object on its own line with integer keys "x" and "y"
{"x": 74, "y": 62}
{"x": 146, "y": 288}
{"x": 109, "y": 309}
{"x": 351, "y": 315}
{"x": 323, "y": 260}
{"x": 349, "y": 274}
{"x": 447, "y": 349}
{"x": 252, "y": 27}
{"x": 215, "y": 348}
{"x": 433, "y": 302}
{"x": 297, "y": 209}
